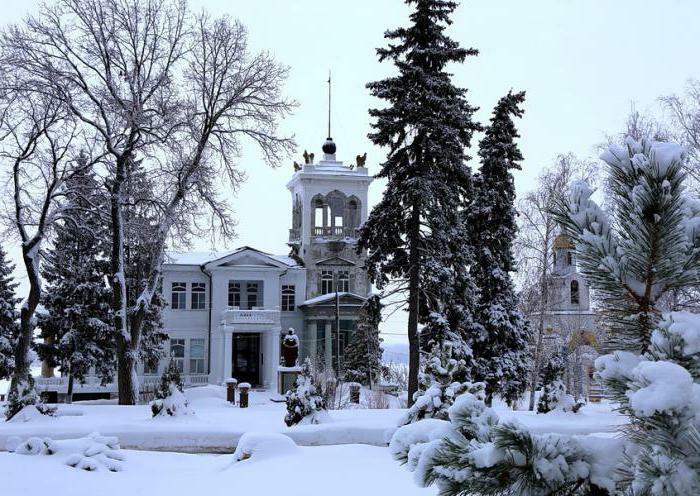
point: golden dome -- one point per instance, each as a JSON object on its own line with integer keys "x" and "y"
{"x": 563, "y": 242}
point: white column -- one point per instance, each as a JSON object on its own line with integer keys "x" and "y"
{"x": 328, "y": 337}
{"x": 228, "y": 351}
{"x": 274, "y": 360}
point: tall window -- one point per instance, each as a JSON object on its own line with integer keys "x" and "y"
{"x": 179, "y": 296}
{"x": 326, "y": 281}
{"x": 574, "y": 293}
{"x": 150, "y": 368}
{"x": 234, "y": 294}
{"x": 344, "y": 281}
{"x": 288, "y": 298}
{"x": 199, "y": 296}
{"x": 569, "y": 258}
{"x": 196, "y": 356}
{"x": 177, "y": 353}
{"x": 252, "y": 294}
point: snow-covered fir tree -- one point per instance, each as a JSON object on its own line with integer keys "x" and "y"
{"x": 648, "y": 247}
{"x": 426, "y": 125}
{"x": 553, "y": 395}
{"x": 8, "y": 316}
{"x": 76, "y": 330}
{"x": 440, "y": 382}
{"x": 500, "y": 344}
{"x": 169, "y": 398}
{"x": 363, "y": 354}
{"x": 305, "y": 404}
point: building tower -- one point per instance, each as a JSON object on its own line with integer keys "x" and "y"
{"x": 329, "y": 202}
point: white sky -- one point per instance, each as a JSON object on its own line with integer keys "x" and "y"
{"x": 581, "y": 62}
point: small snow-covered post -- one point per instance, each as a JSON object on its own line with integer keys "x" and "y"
{"x": 244, "y": 387}
{"x": 231, "y": 390}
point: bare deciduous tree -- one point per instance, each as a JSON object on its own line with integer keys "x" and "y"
{"x": 154, "y": 85}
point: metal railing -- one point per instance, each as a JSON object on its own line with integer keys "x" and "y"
{"x": 335, "y": 232}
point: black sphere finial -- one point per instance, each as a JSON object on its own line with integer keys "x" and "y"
{"x": 329, "y": 146}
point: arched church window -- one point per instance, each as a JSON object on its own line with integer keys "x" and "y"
{"x": 574, "y": 293}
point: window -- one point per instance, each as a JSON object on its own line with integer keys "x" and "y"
{"x": 343, "y": 281}
{"x": 569, "y": 258}
{"x": 234, "y": 294}
{"x": 177, "y": 353}
{"x": 197, "y": 356}
{"x": 179, "y": 296}
{"x": 252, "y": 295}
{"x": 288, "y": 298}
{"x": 326, "y": 281}
{"x": 199, "y": 296}
{"x": 574, "y": 292}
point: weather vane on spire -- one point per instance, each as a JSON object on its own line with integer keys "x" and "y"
{"x": 329, "y": 103}
{"x": 329, "y": 147}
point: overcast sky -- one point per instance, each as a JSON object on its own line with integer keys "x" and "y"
{"x": 582, "y": 64}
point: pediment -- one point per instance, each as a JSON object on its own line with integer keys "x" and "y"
{"x": 335, "y": 260}
{"x": 247, "y": 256}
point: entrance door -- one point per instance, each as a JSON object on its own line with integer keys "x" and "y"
{"x": 246, "y": 358}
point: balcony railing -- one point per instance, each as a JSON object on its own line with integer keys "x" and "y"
{"x": 294, "y": 235}
{"x": 256, "y": 315}
{"x": 335, "y": 232}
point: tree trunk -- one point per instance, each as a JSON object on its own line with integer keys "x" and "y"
{"x": 413, "y": 295}
{"x": 69, "y": 392}
{"x": 22, "y": 374}
{"x": 126, "y": 363}
{"x": 544, "y": 296}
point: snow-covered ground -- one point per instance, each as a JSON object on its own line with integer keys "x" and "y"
{"x": 338, "y": 470}
{"x": 216, "y": 426}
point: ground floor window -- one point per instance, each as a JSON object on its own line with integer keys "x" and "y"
{"x": 347, "y": 327}
{"x": 197, "y": 356}
{"x": 177, "y": 353}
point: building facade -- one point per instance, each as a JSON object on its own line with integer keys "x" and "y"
{"x": 226, "y": 312}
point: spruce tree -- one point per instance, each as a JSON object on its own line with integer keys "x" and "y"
{"x": 169, "y": 399}
{"x": 426, "y": 126}
{"x": 77, "y": 332}
{"x": 8, "y": 316}
{"x": 304, "y": 401}
{"x": 500, "y": 344}
{"x": 553, "y": 395}
{"x": 363, "y": 354}
{"x": 646, "y": 248}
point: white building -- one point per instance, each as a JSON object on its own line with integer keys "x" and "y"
{"x": 226, "y": 311}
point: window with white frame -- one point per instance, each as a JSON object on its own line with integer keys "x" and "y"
{"x": 252, "y": 295}
{"x": 288, "y": 298}
{"x": 199, "y": 296}
{"x": 326, "y": 281}
{"x": 178, "y": 298}
{"x": 344, "y": 281}
{"x": 197, "y": 356}
{"x": 177, "y": 353}
{"x": 234, "y": 294}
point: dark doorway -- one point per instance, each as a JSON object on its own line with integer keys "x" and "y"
{"x": 246, "y": 358}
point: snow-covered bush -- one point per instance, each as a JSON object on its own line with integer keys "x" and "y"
{"x": 474, "y": 454}
{"x": 304, "y": 403}
{"x": 170, "y": 399}
{"x": 478, "y": 456}
{"x": 24, "y": 401}
{"x": 437, "y": 386}
{"x": 258, "y": 445}
{"x": 660, "y": 392}
{"x": 91, "y": 453}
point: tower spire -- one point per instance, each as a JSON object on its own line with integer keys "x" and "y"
{"x": 329, "y": 104}
{"x": 329, "y": 147}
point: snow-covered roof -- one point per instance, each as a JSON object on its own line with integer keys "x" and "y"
{"x": 330, "y": 297}
{"x": 203, "y": 257}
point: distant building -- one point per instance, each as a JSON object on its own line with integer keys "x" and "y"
{"x": 227, "y": 311}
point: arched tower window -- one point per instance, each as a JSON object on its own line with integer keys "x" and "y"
{"x": 320, "y": 213}
{"x": 574, "y": 293}
{"x": 569, "y": 258}
{"x": 353, "y": 213}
